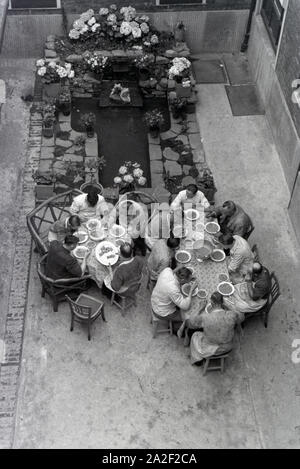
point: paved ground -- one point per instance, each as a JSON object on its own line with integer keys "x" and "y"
{"x": 125, "y": 389}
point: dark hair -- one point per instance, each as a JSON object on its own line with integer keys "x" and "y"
{"x": 173, "y": 243}
{"x": 192, "y": 188}
{"x": 71, "y": 239}
{"x": 229, "y": 204}
{"x": 74, "y": 220}
{"x": 217, "y": 298}
{"x": 92, "y": 196}
{"x": 184, "y": 274}
{"x": 227, "y": 239}
{"x": 126, "y": 250}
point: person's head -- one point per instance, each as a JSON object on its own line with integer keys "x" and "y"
{"x": 92, "y": 196}
{"x": 216, "y": 299}
{"x": 229, "y": 206}
{"x": 126, "y": 251}
{"x": 191, "y": 191}
{"x": 70, "y": 242}
{"x": 173, "y": 243}
{"x": 74, "y": 222}
{"x": 184, "y": 275}
{"x": 256, "y": 270}
{"x": 227, "y": 241}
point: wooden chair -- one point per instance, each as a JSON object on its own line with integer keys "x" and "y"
{"x": 44, "y": 215}
{"x": 256, "y": 253}
{"x": 125, "y": 301}
{"x": 214, "y": 358}
{"x": 273, "y": 296}
{"x": 247, "y": 235}
{"x": 57, "y": 289}
{"x": 86, "y": 309}
{"x": 157, "y": 322}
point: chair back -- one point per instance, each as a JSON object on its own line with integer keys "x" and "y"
{"x": 80, "y": 311}
{"x": 255, "y": 253}
{"x": 247, "y": 235}
{"x": 275, "y": 291}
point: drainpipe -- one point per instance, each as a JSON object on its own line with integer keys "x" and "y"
{"x": 244, "y": 46}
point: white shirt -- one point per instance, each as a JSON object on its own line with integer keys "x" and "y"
{"x": 181, "y": 199}
{"x": 81, "y": 208}
{"x": 167, "y": 294}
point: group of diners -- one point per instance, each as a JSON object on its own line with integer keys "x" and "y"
{"x": 210, "y": 332}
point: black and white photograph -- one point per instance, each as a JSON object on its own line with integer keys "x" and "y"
{"x": 150, "y": 228}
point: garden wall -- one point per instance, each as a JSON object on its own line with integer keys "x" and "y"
{"x": 207, "y": 31}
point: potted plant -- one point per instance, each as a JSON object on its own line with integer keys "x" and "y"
{"x": 91, "y": 167}
{"x": 130, "y": 177}
{"x": 97, "y": 63}
{"x": 53, "y": 74}
{"x": 87, "y": 121}
{"x": 178, "y": 107}
{"x": 142, "y": 63}
{"x": 64, "y": 101}
{"x": 49, "y": 119}
{"x": 154, "y": 120}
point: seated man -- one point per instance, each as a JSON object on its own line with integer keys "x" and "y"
{"x": 252, "y": 295}
{"x": 161, "y": 257}
{"x": 241, "y": 258}
{"x": 89, "y": 205}
{"x": 218, "y": 331}
{"x": 167, "y": 298}
{"x": 191, "y": 195}
{"x": 61, "y": 228}
{"x": 127, "y": 274}
{"x": 60, "y": 263}
{"x": 232, "y": 219}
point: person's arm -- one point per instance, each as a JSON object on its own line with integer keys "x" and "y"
{"x": 75, "y": 207}
{"x": 52, "y": 236}
{"x": 235, "y": 262}
{"x": 176, "y": 204}
{"x": 74, "y": 268}
{"x": 179, "y": 300}
{"x": 204, "y": 201}
{"x": 117, "y": 280}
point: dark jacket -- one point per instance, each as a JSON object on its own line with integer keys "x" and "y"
{"x": 60, "y": 263}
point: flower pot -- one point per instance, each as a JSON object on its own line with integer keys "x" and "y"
{"x": 90, "y": 131}
{"x": 48, "y": 132}
{"x": 154, "y": 132}
{"x": 182, "y": 91}
{"x": 65, "y": 108}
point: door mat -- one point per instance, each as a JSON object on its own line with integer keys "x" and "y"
{"x": 209, "y": 71}
{"x": 244, "y": 100}
{"x": 237, "y": 68}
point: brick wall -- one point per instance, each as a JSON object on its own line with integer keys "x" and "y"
{"x": 72, "y": 6}
{"x": 288, "y": 63}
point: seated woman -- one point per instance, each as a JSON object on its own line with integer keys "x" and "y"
{"x": 218, "y": 331}
{"x": 89, "y": 205}
{"x": 232, "y": 219}
{"x": 251, "y": 295}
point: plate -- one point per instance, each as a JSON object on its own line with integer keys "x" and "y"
{"x": 208, "y": 308}
{"x": 90, "y": 244}
{"x": 198, "y": 236}
{"x": 80, "y": 251}
{"x": 202, "y": 294}
{"x": 199, "y": 226}
{"x": 93, "y": 224}
{"x": 179, "y": 232}
{"x": 225, "y": 288}
{"x": 186, "y": 288}
{"x": 98, "y": 234}
{"x": 183, "y": 257}
{"x": 212, "y": 227}
{"x": 106, "y": 253}
{"x": 217, "y": 255}
{"x": 223, "y": 277}
{"x": 203, "y": 252}
{"x": 83, "y": 236}
{"x": 117, "y": 231}
{"x": 191, "y": 214}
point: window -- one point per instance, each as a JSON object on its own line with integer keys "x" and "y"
{"x": 272, "y": 13}
{"x": 31, "y": 4}
{"x": 181, "y": 2}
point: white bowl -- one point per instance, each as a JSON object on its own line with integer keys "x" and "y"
{"x": 219, "y": 288}
{"x": 214, "y": 225}
{"x": 222, "y": 255}
{"x": 188, "y": 257}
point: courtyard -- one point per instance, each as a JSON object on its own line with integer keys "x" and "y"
{"x": 124, "y": 388}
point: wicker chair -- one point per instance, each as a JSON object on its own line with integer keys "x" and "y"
{"x": 45, "y": 214}
{"x": 57, "y": 289}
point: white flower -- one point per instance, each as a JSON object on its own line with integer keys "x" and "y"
{"x": 113, "y": 7}
{"x": 95, "y": 27}
{"x": 87, "y": 15}
{"x": 71, "y": 74}
{"x": 62, "y": 72}
{"x": 144, "y": 18}
{"x": 154, "y": 39}
{"x": 42, "y": 71}
{"x": 111, "y": 19}
{"x": 123, "y": 170}
{"x": 84, "y": 29}
{"x": 137, "y": 47}
{"x": 103, "y": 11}
{"x": 135, "y": 165}
{"x": 117, "y": 180}
{"x": 134, "y": 24}
{"x": 136, "y": 32}
{"x": 147, "y": 44}
{"x": 74, "y": 34}
{"x": 138, "y": 173}
{"x": 52, "y": 64}
{"x": 144, "y": 27}
{"x": 40, "y": 63}
{"x": 142, "y": 181}
{"x": 125, "y": 28}
{"x": 128, "y": 178}
{"x": 92, "y": 21}
{"x": 78, "y": 24}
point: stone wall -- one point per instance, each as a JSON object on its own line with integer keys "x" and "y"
{"x": 3, "y": 11}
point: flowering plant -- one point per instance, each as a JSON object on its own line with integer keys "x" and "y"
{"x": 130, "y": 173}
{"x": 180, "y": 68}
{"x": 49, "y": 110}
{"x": 64, "y": 96}
{"x": 87, "y": 119}
{"x": 52, "y": 72}
{"x": 154, "y": 118}
{"x": 96, "y": 61}
{"x": 85, "y": 26}
{"x": 143, "y": 61}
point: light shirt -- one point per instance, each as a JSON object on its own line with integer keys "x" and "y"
{"x": 181, "y": 199}
{"x": 167, "y": 294}
{"x": 241, "y": 256}
{"x": 81, "y": 208}
{"x": 159, "y": 258}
